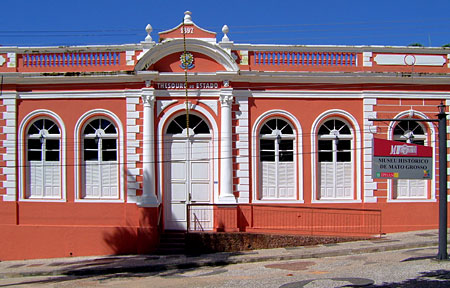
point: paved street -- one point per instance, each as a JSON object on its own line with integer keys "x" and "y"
{"x": 401, "y": 268}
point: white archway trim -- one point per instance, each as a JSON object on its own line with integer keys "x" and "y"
{"x": 78, "y": 159}
{"x": 298, "y": 132}
{"x": 168, "y": 116}
{"x": 431, "y": 139}
{"x": 42, "y": 113}
{"x": 194, "y": 45}
{"x": 356, "y": 132}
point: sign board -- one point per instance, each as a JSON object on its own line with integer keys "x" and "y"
{"x": 399, "y": 160}
{"x": 190, "y": 85}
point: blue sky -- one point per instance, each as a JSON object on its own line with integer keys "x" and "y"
{"x": 320, "y": 22}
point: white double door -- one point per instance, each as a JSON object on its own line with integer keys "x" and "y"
{"x": 188, "y": 179}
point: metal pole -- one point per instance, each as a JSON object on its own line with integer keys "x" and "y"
{"x": 442, "y": 255}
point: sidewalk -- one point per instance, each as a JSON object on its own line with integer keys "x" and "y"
{"x": 100, "y": 265}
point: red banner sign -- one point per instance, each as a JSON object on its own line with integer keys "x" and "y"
{"x": 390, "y": 148}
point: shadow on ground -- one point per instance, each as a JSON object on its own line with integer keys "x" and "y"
{"x": 102, "y": 269}
{"x": 432, "y": 279}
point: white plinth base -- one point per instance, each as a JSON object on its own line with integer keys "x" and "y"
{"x": 227, "y": 199}
{"x": 148, "y": 201}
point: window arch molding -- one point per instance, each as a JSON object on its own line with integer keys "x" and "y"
{"x": 297, "y": 130}
{"x": 24, "y": 125}
{"x": 173, "y": 120}
{"x": 355, "y": 130}
{"x": 431, "y": 138}
{"x": 78, "y": 136}
{"x": 163, "y": 123}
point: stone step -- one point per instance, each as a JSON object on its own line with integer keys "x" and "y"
{"x": 172, "y": 242}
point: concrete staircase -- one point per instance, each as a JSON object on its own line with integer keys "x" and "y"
{"x": 172, "y": 242}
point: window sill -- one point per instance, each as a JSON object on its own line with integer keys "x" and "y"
{"x": 278, "y": 201}
{"x": 99, "y": 200}
{"x": 336, "y": 201}
{"x": 42, "y": 200}
{"x": 411, "y": 200}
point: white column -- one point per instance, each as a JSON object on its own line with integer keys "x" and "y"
{"x": 226, "y": 160}
{"x": 148, "y": 198}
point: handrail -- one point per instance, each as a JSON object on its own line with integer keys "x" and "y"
{"x": 196, "y": 220}
{"x": 159, "y": 216}
{"x": 289, "y": 218}
{"x": 288, "y": 206}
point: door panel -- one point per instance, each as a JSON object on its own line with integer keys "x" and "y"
{"x": 200, "y": 192}
{"x": 178, "y": 170}
{"x": 200, "y": 150}
{"x": 188, "y": 179}
{"x": 178, "y": 192}
{"x": 200, "y": 171}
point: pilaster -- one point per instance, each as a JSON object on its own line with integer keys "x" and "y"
{"x": 8, "y": 171}
{"x": 226, "y": 156}
{"x": 148, "y": 198}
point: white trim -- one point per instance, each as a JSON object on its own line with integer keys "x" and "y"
{"x": 369, "y": 130}
{"x": 191, "y": 94}
{"x": 77, "y": 146}
{"x": 168, "y": 116}
{"x": 357, "y": 153}
{"x": 73, "y": 94}
{"x": 341, "y": 94}
{"x": 9, "y": 101}
{"x": 163, "y": 104}
{"x": 22, "y": 139}
{"x": 213, "y": 104}
{"x": 432, "y": 139}
{"x": 298, "y": 150}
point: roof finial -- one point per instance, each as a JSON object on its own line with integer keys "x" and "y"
{"x": 187, "y": 18}
{"x": 225, "y": 31}
{"x": 149, "y": 30}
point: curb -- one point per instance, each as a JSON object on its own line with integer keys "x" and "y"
{"x": 217, "y": 260}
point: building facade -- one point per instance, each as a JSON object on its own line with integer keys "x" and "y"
{"x": 104, "y": 147}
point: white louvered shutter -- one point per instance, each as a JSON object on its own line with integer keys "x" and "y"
{"x": 269, "y": 185}
{"x": 52, "y": 176}
{"x": 92, "y": 179}
{"x": 109, "y": 179}
{"x": 343, "y": 182}
{"x": 410, "y": 188}
{"x": 35, "y": 179}
{"x": 327, "y": 179}
{"x": 286, "y": 179}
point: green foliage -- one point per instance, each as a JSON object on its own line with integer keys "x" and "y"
{"x": 416, "y": 45}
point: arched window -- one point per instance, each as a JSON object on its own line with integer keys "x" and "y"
{"x": 196, "y": 125}
{"x": 277, "y": 160}
{"x": 409, "y": 131}
{"x": 43, "y": 160}
{"x": 100, "y": 160}
{"x": 336, "y": 160}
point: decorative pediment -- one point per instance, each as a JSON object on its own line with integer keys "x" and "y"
{"x": 189, "y": 30}
{"x": 167, "y": 57}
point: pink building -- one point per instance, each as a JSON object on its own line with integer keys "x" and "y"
{"x": 102, "y": 148}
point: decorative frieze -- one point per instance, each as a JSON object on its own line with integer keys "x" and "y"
{"x": 410, "y": 59}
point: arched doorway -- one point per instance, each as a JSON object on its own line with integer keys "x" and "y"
{"x": 188, "y": 172}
